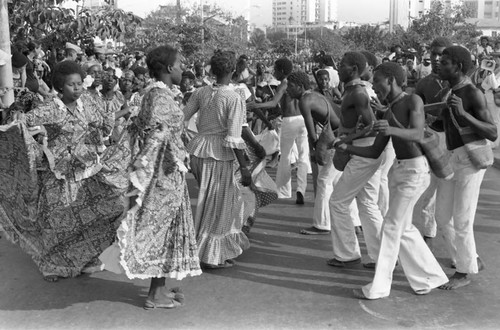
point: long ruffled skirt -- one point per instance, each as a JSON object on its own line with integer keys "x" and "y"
{"x": 62, "y": 224}
{"x": 157, "y": 239}
{"x": 219, "y": 214}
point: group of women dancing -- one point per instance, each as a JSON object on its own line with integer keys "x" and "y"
{"x": 87, "y": 172}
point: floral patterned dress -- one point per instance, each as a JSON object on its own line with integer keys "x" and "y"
{"x": 62, "y": 209}
{"x": 157, "y": 237}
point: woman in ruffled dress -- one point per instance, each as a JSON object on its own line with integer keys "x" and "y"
{"x": 59, "y": 206}
{"x": 157, "y": 238}
{"x": 219, "y": 214}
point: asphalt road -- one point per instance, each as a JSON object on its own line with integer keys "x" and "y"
{"x": 281, "y": 282}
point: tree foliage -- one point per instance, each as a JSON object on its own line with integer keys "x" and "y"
{"x": 446, "y": 21}
{"x": 259, "y": 41}
{"x": 327, "y": 40}
{"x": 274, "y": 36}
{"x": 196, "y": 37}
{"x": 440, "y": 20}
{"x": 50, "y": 24}
{"x": 370, "y": 38}
{"x": 283, "y": 47}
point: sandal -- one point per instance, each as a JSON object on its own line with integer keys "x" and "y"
{"x": 370, "y": 265}
{"x": 337, "y": 263}
{"x": 226, "y": 264}
{"x": 314, "y": 231}
{"x": 358, "y": 293}
{"x": 167, "y": 304}
{"x": 178, "y": 294}
{"x": 171, "y": 299}
{"x": 51, "y": 278}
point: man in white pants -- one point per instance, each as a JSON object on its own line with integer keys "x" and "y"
{"x": 317, "y": 110}
{"x": 388, "y": 154}
{"x": 361, "y": 176}
{"x": 409, "y": 177}
{"x": 458, "y": 197}
{"x": 293, "y": 130}
{"x": 432, "y": 89}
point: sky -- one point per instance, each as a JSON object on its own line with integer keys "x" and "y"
{"x": 360, "y": 11}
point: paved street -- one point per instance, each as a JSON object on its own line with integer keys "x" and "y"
{"x": 281, "y": 282}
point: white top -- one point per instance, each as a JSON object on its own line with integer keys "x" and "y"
{"x": 334, "y": 76}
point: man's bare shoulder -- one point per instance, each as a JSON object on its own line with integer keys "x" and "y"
{"x": 414, "y": 98}
{"x": 357, "y": 92}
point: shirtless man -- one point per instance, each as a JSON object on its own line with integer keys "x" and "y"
{"x": 433, "y": 89}
{"x": 293, "y": 130}
{"x": 361, "y": 176}
{"x": 388, "y": 154}
{"x": 458, "y": 197}
{"x": 404, "y": 125}
{"x": 316, "y": 110}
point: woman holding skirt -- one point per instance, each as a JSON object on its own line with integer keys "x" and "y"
{"x": 157, "y": 238}
{"x": 219, "y": 214}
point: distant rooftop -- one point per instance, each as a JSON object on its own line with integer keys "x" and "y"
{"x": 484, "y": 22}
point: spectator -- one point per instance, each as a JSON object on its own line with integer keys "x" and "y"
{"x": 424, "y": 69}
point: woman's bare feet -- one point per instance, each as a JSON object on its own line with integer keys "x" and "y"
{"x": 161, "y": 297}
{"x": 164, "y": 298}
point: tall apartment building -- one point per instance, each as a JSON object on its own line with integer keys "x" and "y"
{"x": 399, "y": 13}
{"x": 300, "y": 12}
{"x": 484, "y": 9}
{"x": 486, "y": 15}
{"x": 326, "y": 11}
{"x": 402, "y": 12}
{"x": 99, "y": 3}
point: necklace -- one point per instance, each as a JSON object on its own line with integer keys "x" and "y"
{"x": 397, "y": 99}
{"x": 462, "y": 83}
{"x": 353, "y": 82}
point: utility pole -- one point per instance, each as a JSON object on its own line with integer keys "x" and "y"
{"x": 202, "y": 30}
{"x": 178, "y": 11}
{"x": 6, "y": 70}
{"x": 305, "y": 35}
{"x": 296, "y": 39}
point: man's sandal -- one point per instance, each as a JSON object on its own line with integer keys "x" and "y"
{"x": 337, "y": 263}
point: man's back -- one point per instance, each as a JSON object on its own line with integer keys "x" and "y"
{"x": 289, "y": 106}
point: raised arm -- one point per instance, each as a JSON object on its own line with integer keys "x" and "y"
{"x": 281, "y": 90}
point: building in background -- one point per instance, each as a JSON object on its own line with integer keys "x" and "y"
{"x": 99, "y": 3}
{"x": 486, "y": 14}
{"x": 402, "y": 12}
{"x": 326, "y": 11}
{"x": 295, "y": 16}
{"x": 399, "y": 14}
{"x": 484, "y": 9}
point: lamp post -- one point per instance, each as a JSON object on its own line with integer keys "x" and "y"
{"x": 5, "y": 70}
{"x": 202, "y": 29}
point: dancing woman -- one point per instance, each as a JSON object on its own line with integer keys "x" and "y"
{"x": 59, "y": 207}
{"x": 157, "y": 237}
{"x": 219, "y": 214}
